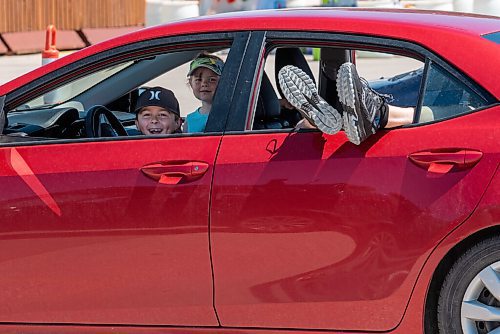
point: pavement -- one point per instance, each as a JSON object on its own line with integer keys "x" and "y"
{"x": 13, "y": 66}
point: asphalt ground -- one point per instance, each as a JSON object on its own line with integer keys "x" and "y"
{"x": 14, "y": 66}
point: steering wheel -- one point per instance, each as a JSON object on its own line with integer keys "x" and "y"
{"x": 101, "y": 122}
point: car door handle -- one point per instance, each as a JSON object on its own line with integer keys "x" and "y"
{"x": 441, "y": 161}
{"x": 172, "y": 172}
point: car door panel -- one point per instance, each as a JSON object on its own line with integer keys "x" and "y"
{"x": 311, "y": 231}
{"x": 106, "y": 243}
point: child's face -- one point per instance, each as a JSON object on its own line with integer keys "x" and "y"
{"x": 155, "y": 120}
{"x": 204, "y": 81}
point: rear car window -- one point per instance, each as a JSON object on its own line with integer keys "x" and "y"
{"x": 447, "y": 96}
{"x": 494, "y": 37}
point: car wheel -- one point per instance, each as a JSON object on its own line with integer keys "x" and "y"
{"x": 469, "y": 301}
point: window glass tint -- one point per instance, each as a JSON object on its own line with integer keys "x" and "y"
{"x": 446, "y": 96}
{"x": 494, "y": 37}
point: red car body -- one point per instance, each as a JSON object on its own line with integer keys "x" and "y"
{"x": 285, "y": 232}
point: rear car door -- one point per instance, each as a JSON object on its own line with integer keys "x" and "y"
{"x": 111, "y": 230}
{"x": 311, "y": 231}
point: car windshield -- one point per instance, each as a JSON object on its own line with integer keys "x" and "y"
{"x": 74, "y": 88}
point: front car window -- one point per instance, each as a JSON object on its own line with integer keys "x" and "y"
{"x": 61, "y": 112}
{"x": 73, "y": 88}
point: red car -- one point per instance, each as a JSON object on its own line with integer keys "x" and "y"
{"x": 254, "y": 226}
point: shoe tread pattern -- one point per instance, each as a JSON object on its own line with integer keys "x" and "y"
{"x": 350, "y": 99}
{"x": 300, "y": 90}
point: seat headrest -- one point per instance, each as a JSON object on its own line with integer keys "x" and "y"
{"x": 290, "y": 56}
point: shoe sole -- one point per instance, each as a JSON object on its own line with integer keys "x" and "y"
{"x": 348, "y": 95}
{"x": 301, "y": 92}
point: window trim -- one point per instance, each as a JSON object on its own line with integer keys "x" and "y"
{"x": 248, "y": 86}
{"x": 423, "y": 87}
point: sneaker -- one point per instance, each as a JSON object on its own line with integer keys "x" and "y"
{"x": 301, "y": 92}
{"x": 363, "y": 107}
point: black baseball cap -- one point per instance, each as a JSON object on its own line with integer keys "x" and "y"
{"x": 160, "y": 97}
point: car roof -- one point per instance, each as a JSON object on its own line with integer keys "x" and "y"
{"x": 443, "y": 32}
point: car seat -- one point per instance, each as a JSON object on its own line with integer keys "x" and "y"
{"x": 268, "y": 111}
{"x": 331, "y": 60}
{"x": 291, "y": 56}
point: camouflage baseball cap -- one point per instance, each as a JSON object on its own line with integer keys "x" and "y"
{"x": 211, "y": 62}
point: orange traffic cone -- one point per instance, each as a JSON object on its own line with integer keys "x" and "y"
{"x": 50, "y": 53}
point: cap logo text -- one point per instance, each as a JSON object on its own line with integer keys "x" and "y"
{"x": 155, "y": 95}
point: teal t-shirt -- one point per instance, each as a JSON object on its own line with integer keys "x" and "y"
{"x": 196, "y": 121}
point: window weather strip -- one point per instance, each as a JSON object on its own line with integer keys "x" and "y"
{"x": 3, "y": 116}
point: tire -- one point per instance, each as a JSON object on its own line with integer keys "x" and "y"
{"x": 471, "y": 288}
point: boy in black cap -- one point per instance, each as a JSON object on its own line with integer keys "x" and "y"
{"x": 157, "y": 112}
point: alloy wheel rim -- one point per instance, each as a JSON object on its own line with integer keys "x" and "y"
{"x": 480, "y": 311}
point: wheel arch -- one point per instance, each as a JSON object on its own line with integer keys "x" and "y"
{"x": 444, "y": 266}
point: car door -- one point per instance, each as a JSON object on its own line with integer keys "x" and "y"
{"x": 113, "y": 230}
{"x": 311, "y": 231}
{"x": 87, "y": 237}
